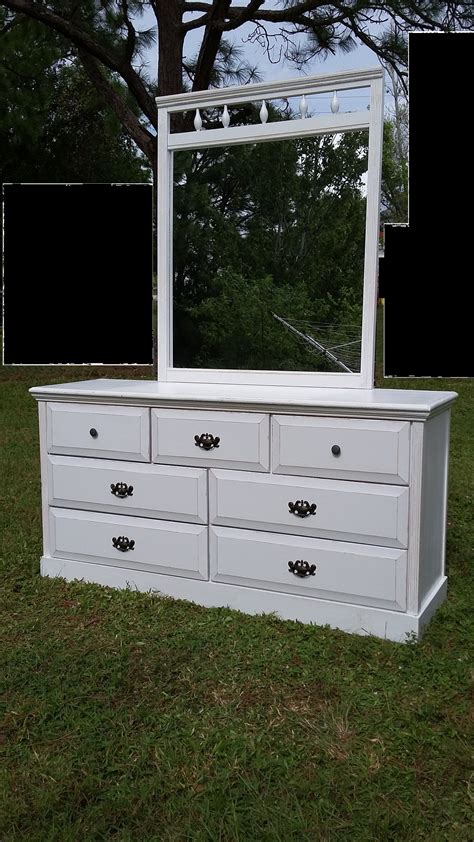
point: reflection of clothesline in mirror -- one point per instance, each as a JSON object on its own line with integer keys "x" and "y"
{"x": 326, "y": 339}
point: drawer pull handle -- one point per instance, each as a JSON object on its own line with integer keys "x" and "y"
{"x": 301, "y": 568}
{"x": 336, "y": 450}
{"x": 207, "y": 441}
{"x": 123, "y": 544}
{"x": 302, "y": 508}
{"x": 121, "y": 489}
{"x": 93, "y": 432}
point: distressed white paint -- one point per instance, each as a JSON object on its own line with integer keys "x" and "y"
{"x": 244, "y": 439}
{"x": 433, "y": 503}
{"x": 42, "y": 418}
{"x": 345, "y": 572}
{"x": 402, "y": 404}
{"x": 172, "y": 493}
{"x": 177, "y": 549}
{"x": 164, "y": 246}
{"x": 372, "y": 223}
{"x": 238, "y": 94}
{"x": 122, "y": 432}
{"x": 362, "y": 512}
{"x": 413, "y": 561}
{"x": 375, "y": 451}
{"x": 349, "y": 121}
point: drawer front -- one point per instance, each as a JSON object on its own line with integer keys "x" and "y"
{"x": 144, "y": 490}
{"x": 346, "y": 511}
{"x": 109, "y": 432}
{"x": 244, "y": 439}
{"x": 178, "y": 549}
{"x": 339, "y": 448}
{"x": 344, "y": 572}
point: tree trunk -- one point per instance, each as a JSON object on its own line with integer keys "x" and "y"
{"x": 170, "y": 47}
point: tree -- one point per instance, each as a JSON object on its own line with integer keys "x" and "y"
{"x": 56, "y": 126}
{"x": 104, "y": 35}
{"x": 395, "y": 158}
{"x": 247, "y": 245}
{"x": 395, "y": 168}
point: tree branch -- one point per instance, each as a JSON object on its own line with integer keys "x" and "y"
{"x": 210, "y": 44}
{"x": 142, "y": 137}
{"x": 131, "y": 34}
{"x": 291, "y": 14}
{"x": 85, "y": 42}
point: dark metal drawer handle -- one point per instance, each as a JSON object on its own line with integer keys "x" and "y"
{"x": 302, "y": 508}
{"x": 207, "y": 441}
{"x": 93, "y": 432}
{"x": 123, "y": 544}
{"x": 336, "y": 450}
{"x": 301, "y": 568}
{"x": 121, "y": 489}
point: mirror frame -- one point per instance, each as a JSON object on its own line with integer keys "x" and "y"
{"x": 371, "y": 119}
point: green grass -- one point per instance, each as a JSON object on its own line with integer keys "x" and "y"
{"x": 131, "y": 717}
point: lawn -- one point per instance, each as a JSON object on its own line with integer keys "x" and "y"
{"x": 132, "y": 717}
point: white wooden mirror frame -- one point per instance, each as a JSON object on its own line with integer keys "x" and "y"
{"x": 371, "y": 119}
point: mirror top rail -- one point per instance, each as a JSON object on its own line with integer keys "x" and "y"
{"x": 281, "y": 89}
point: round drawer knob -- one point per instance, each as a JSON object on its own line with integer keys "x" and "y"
{"x": 93, "y": 432}
{"x": 336, "y": 450}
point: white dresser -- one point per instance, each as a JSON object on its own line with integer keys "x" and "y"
{"x": 323, "y": 505}
{"x": 301, "y": 492}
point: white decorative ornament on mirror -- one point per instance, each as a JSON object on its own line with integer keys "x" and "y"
{"x": 225, "y": 119}
{"x": 198, "y": 120}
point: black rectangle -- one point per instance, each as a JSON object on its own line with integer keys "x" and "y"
{"x": 427, "y": 269}
{"x": 78, "y": 263}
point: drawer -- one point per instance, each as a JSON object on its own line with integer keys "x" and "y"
{"x": 374, "y": 451}
{"x": 151, "y": 490}
{"x": 346, "y": 511}
{"x": 178, "y": 549}
{"x": 244, "y": 439}
{"x": 344, "y": 572}
{"x": 109, "y": 432}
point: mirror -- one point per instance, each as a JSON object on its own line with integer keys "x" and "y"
{"x": 268, "y": 254}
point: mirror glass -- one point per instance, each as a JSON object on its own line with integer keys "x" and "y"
{"x": 268, "y": 254}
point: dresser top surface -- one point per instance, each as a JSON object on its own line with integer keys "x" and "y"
{"x": 380, "y": 403}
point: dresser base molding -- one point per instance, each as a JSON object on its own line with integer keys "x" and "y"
{"x": 356, "y": 619}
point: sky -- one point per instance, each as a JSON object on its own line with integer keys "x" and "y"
{"x": 360, "y": 58}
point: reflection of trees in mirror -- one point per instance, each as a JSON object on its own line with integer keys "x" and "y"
{"x": 267, "y": 228}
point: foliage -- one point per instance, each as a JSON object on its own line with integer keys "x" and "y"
{"x": 233, "y": 326}
{"x": 395, "y": 169}
{"x": 276, "y": 227}
{"x": 109, "y": 39}
{"x": 56, "y": 127}
{"x": 132, "y": 717}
